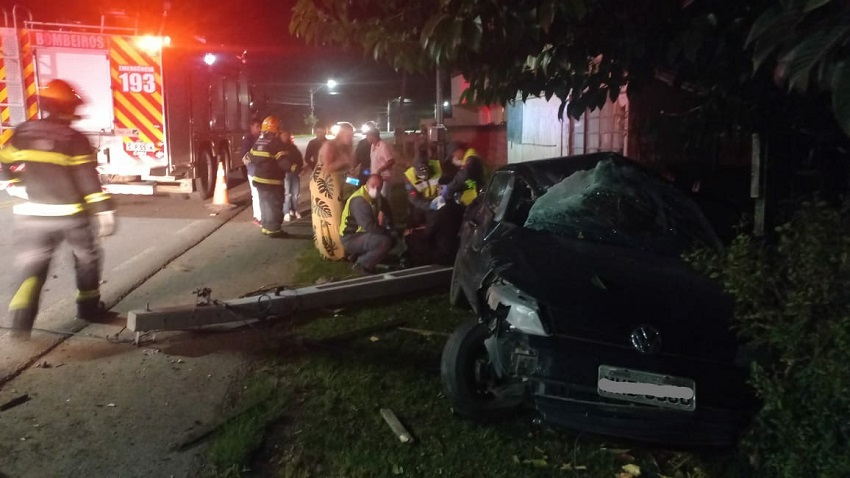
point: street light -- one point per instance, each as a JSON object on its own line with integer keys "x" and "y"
{"x": 331, "y": 84}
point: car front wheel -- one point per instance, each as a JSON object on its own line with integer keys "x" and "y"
{"x": 457, "y": 298}
{"x": 469, "y": 379}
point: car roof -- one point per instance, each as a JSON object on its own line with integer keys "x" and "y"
{"x": 546, "y": 172}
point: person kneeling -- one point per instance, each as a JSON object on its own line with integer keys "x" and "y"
{"x": 366, "y": 227}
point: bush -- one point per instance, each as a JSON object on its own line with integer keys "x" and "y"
{"x": 793, "y": 306}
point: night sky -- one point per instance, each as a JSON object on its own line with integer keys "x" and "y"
{"x": 282, "y": 67}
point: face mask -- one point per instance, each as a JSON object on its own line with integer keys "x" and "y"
{"x": 457, "y": 162}
{"x": 373, "y": 192}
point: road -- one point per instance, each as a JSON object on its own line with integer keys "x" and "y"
{"x": 152, "y": 231}
{"x": 107, "y": 408}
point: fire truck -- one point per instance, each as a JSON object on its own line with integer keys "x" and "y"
{"x": 161, "y": 116}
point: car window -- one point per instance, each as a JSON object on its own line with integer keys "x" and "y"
{"x": 619, "y": 203}
{"x": 499, "y": 186}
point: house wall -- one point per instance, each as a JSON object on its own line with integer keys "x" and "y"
{"x": 535, "y": 132}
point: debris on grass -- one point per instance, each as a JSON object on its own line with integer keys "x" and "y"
{"x": 395, "y": 425}
{"x": 629, "y": 471}
{"x": 364, "y": 331}
{"x": 423, "y": 332}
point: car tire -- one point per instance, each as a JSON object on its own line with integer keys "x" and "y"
{"x": 457, "y": 297}
{"x": 463, "y": 369}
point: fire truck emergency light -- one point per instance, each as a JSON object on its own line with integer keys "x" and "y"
{"x": 152, "y": 44}
{"x": 209, "y": 59}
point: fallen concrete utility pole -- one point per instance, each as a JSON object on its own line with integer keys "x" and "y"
{"x": 284, "y": 302}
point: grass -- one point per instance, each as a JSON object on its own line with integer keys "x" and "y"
{"x": 319, "y": 413}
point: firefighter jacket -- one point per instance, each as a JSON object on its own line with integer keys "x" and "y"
{"x": 468, "y": 179}
{"x": 57, "y": 166}
{"x": 269, "y": 159}
{"x": 364, "y": 214}
{"x": 421, "y": 191}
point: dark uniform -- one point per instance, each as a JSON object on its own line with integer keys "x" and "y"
{"x": 270, "y": 166}
{"x": 57, "y": 166}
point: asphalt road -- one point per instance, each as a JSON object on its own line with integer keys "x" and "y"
{"x": 99, "y": 406}
{"x": 152, "y": 231}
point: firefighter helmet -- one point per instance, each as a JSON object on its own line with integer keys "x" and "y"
{"x": 60, "y": 91}
{"x": 59, "y": 97}
{"x": 270, "y": 125}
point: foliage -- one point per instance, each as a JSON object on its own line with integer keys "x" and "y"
{"x": 587, "y": 51}
{"x": 810, "y": 38}
{"x": 794, "y": 310}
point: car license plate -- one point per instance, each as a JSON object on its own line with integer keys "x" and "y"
{"x": 646, "y": 388}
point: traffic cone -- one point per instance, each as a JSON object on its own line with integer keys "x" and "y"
{"x": 220, "y": 197}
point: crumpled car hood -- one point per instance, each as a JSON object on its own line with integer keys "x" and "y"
{"x": 604, "y": 290}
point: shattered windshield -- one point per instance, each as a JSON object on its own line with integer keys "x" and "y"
{"x": 618, "y": 203}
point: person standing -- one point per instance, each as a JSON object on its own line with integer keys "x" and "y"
{"x": 56, "y": 165}
{"x": 247, "y": 142}
{"x": 335, "y": 158}
{"x": 363, "y": 154}
{"x": 292, "y": 181}
{"x": 382, "y": 159}
{"x": 366, "y": 226}
{"x": 311, "y": 154}
{"x": 270, "y": 166}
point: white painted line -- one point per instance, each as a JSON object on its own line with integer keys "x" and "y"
{"x": 129, "y": 261}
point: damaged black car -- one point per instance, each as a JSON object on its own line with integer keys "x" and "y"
{"x": 587, "y": 312}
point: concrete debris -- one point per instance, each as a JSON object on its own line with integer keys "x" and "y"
{"x": 400, "y": 431}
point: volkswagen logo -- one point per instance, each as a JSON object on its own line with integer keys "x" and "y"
{"x": 646, "y": 339}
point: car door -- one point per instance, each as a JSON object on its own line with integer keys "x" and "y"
{"x": 483, "y": 216}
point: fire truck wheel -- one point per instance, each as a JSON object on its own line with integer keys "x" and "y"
{"x": 205, "y": 175}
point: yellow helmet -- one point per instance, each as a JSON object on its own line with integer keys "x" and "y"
{"x": 270, "y": 125}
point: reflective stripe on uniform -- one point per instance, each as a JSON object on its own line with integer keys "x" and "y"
{"x": 96, "y": 197}
{"x": 47, "y": 210}
{"x": 13, "y": 155}
{"x": 267, "y": 181}
{"x": 25, "y": 296}
{"x": 429, "y": 188}
{"x": 83, "y": 295}
{"x": 262, "y": 154}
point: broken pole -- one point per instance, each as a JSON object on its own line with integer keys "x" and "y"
{"x": 285, "y": 302}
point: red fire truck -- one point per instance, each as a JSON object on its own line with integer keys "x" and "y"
{"x": 161, "y": 116}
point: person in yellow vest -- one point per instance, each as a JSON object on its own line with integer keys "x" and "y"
{"x": 422, "y": 182}
{"x": 465, "y": 184}
{"x": 366, "y": 228}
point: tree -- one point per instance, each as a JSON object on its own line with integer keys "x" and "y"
{"x": 585, "y": 51}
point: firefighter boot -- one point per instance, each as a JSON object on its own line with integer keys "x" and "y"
{"x": 18, "y": 324}
{"x": 93, "y": 310}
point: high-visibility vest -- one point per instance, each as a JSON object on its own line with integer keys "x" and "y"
{"x": 428, "y": 188}
{"x": 346, "y": 211}
{"x": 471, "y": 192}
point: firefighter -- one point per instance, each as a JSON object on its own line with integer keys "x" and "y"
{"x": 270, "y": 163}
{"x": 56, "y": 165}
{"x": 366, "y": 227}
{"x": 465, "y": 184}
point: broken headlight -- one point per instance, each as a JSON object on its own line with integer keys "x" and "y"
{"x": 523, "y": 312}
